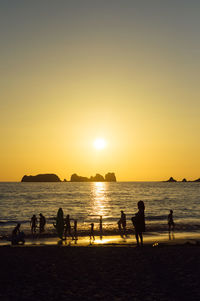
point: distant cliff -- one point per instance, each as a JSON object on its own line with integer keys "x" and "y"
{"x": 109, "y": 177}
{"x": 41, "y": 178}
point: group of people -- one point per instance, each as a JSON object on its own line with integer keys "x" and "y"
{"x": 19, "y": 236}
{"x": 34, "y": 223}
{"x": 64, "y": 228}
{"x": 63, "y": 225}
{"x": 138, "y": 222}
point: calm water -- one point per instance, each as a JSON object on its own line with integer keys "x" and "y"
{"x": 87, "y": 201}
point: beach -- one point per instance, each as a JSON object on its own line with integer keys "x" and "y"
{"x": 111, "y": 268}
{"x": 100, "y": 272}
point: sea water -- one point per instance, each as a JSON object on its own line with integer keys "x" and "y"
{"x": 86, "y": 202}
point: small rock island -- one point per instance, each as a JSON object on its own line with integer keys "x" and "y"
{"x": 41, "y": 178}
{"x": 171, "y": 179}
{"x": 184, "y": 180}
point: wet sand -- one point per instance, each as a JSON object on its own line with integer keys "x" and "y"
{"x": 165, "y": 272}
{"x": 112, "y": 240}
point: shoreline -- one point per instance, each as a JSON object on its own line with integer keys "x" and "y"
{"x": 150, "y": 239}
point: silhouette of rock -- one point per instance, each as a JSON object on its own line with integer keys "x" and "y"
{"x": 198, "y": 180}
{"x": 97, "y": 178}
{"x": 76, "y": 178}
{"x": 41, "y": 178}
{"x": 110, "y": 177}
{"x": 171, "y": 179}
{"x": 184, "y": 180}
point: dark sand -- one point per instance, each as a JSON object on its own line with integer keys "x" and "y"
{"x": 100, "y": 273}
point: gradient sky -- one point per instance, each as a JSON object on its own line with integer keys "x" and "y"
{"x": 127, "y": 71}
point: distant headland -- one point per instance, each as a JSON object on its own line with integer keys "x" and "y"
{"x": 109, "y": 177}
{"x": 171, "y": 179}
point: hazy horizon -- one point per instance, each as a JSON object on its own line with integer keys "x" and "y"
{"x": 124, "y": 71}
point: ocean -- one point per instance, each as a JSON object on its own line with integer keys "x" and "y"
{"x": 85, "y": 202}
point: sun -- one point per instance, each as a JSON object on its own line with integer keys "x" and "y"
{"x": 99, "y": 143}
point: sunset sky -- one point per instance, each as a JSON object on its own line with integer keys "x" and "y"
{"x": 124, "y": 71}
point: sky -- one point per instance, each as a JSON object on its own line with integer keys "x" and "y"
{"x": 124, "y": 71}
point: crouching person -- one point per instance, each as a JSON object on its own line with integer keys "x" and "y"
{"x": 17, "y": 236}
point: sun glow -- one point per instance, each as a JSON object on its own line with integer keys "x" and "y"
{"x": 99, "y": 143}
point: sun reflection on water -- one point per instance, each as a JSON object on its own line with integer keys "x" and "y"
{"x": 99, "y": 200}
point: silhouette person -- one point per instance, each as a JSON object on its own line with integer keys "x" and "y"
{"x": 68, "y": 227}
{"x": 119, "y": 223}
{"x": 33, "y": 224}
{"x": 123, "y": 222}
{"x": 42, "y": 223}
{"x": 170, "y": 219}
{"x": 101, "y": 226}
{"x": 139, "y": 223}
{"x": 92, "y": 231}
{"x": 17, "y": 236}
{"x": 59, "y": 223}
{"x": 75, "y": 230}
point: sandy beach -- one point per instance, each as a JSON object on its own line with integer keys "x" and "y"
{"x": 100, "y": 273}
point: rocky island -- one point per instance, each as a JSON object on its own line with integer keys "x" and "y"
{"x": 109, "y": 177}
{"x": 41, "y": 178}
{"x": 171, "y": 179}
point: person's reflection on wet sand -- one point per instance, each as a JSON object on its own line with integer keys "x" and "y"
{"x": 171, "y": 236}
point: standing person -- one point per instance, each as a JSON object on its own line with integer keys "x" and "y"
{"x": 123, "y": 221}
{"x": 42, "y": 222}
{"x": 119, "y": 223}
{"x": 170, "y": 219}
{"x": 68, "y": 227}
{"x": 101, "y": 226}
{"x": 33, "y": 224}
{"x": 139, "y": 223}
{"x": 59, "y": 223}
{"x": 75, "y": 230}
{"x": 92, "y": 231}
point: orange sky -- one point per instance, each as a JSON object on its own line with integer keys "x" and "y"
{"x": 71, "y": 74}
